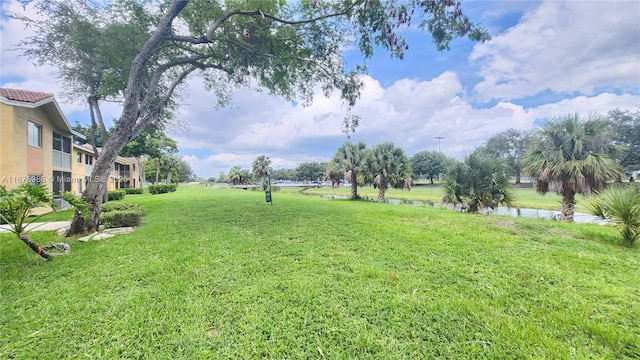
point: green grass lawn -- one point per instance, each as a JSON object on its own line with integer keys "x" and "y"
{"x": 217, "y": 273}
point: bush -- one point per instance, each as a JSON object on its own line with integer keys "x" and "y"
{"x": 121, "y": 218}
{"x": 134, "y": 191}
{"x": 116, "y": 195}
{"x": 622, "y": 208}
{"x": 480, "y": 182}
{"x": 162, "y": 188}
{"x": 120, "y": 206}
{"x": 121, "y": 214}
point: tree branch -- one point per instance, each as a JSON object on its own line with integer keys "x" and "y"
{"x": 142, "y": 122}
{"x": 157, "y": 75}
{"x": 141, "y": 60}
{"x": 231, "y": 13}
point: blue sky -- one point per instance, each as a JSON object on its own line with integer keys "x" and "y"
{"x": 545, "y": 59}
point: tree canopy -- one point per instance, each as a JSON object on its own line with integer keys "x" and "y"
{"x": 429, "y": 164}
{"x": 351, "y": 157}
{"x": 569, "y": 155}
{"x": 478, "y": 183}
{"x": 509, "y": 145}
{"x": 387, "y": 165}
{"x": 626, "y": 137}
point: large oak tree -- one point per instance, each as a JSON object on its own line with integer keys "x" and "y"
{"x": 143, "y": 55}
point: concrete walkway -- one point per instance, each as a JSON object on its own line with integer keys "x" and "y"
{"x": 40, "y": 226}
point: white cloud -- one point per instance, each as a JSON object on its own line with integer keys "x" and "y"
{"x": 565, "y": 47}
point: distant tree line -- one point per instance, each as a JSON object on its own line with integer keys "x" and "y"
{"x": 567, "y": 154}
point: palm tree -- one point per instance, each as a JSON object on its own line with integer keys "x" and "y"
{"x": 388, "y": 166}
{"x": 334, "y": 173}
{"x": 351, "y": 158}
{"x": 235, "y": 175}
{"x": 478, "y": 183}
{"x": 261, "y": 168}
{"x": 569, "y": 156}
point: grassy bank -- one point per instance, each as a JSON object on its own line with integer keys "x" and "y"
{"x": 218, "y": 273}
{"x": 524, "y": 197}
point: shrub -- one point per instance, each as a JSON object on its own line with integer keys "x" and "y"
{"x": 622, "y": 208}
{"x": 121, "y": 214}
{"x": 116, "y": 195}
{"x": 120, "y": 206}
{"x": 480, "y": 182}
{"x": 134, "y": 191}
{"x": 121, "y": 218}
{"x": 162, "y": 188}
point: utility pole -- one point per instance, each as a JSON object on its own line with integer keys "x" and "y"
{"x": 439, "y": 138}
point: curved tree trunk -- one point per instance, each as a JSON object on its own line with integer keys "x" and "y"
{"x": 568, "y": 206}
{"x": 38, "y": 249}
{"x": 354, "y": 185}
{"x": 97, "y": 185}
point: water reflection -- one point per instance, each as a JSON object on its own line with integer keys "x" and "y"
{"x": 523, "y": 212}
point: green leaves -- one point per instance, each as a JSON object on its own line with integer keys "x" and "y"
{"x": 569, "y": 156}
{"x": 387, "y": 165}
{"x": 480, "y": 182}
{"x": 429, "y": 164}
{"x": 16, "y": 204}
{"x": 622, "y": 208}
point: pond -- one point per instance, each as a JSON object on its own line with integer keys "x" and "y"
{"x": 578, "y": 217}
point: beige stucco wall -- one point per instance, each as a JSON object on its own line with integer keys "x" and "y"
{"x": 78, "y": 170}
{"x": 17, "y": 158}
{"x": 7, "y": 145}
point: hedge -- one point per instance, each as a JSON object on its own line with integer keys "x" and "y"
{"x": 121, "y": 215}
{"x": 134, "y": 191}
{"x": 121, "y": 218}
{"x": 162, "y": 188}
{"x": 121, "y": 206}
{"x": 116, "y": 195}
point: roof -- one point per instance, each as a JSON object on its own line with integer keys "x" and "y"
{"x": 36, "y": 99}
{"x": 24, "y": 95}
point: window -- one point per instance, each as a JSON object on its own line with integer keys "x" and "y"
{"x": 61, "y": 143}
{"x": 79, "y": 158}
{"x": 88, "y": 159}
{"x": 61, "y": 151}
{"x": 124, "y": 170}
{"x": 61, "y": 182}
{"x": 35, "y": 134}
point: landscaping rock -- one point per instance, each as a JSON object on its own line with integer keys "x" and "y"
{"x": 88, "y": 237}
{"x": 62, "y": 231}
{"x": 103, "y": 236}
{"x": 121, "y": 230}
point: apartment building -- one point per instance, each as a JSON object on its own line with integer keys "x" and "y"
{"x": 125, "y": 172}
{"x": 37, "y": 146}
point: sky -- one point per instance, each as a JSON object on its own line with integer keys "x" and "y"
{"x": 545, "y": 59}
